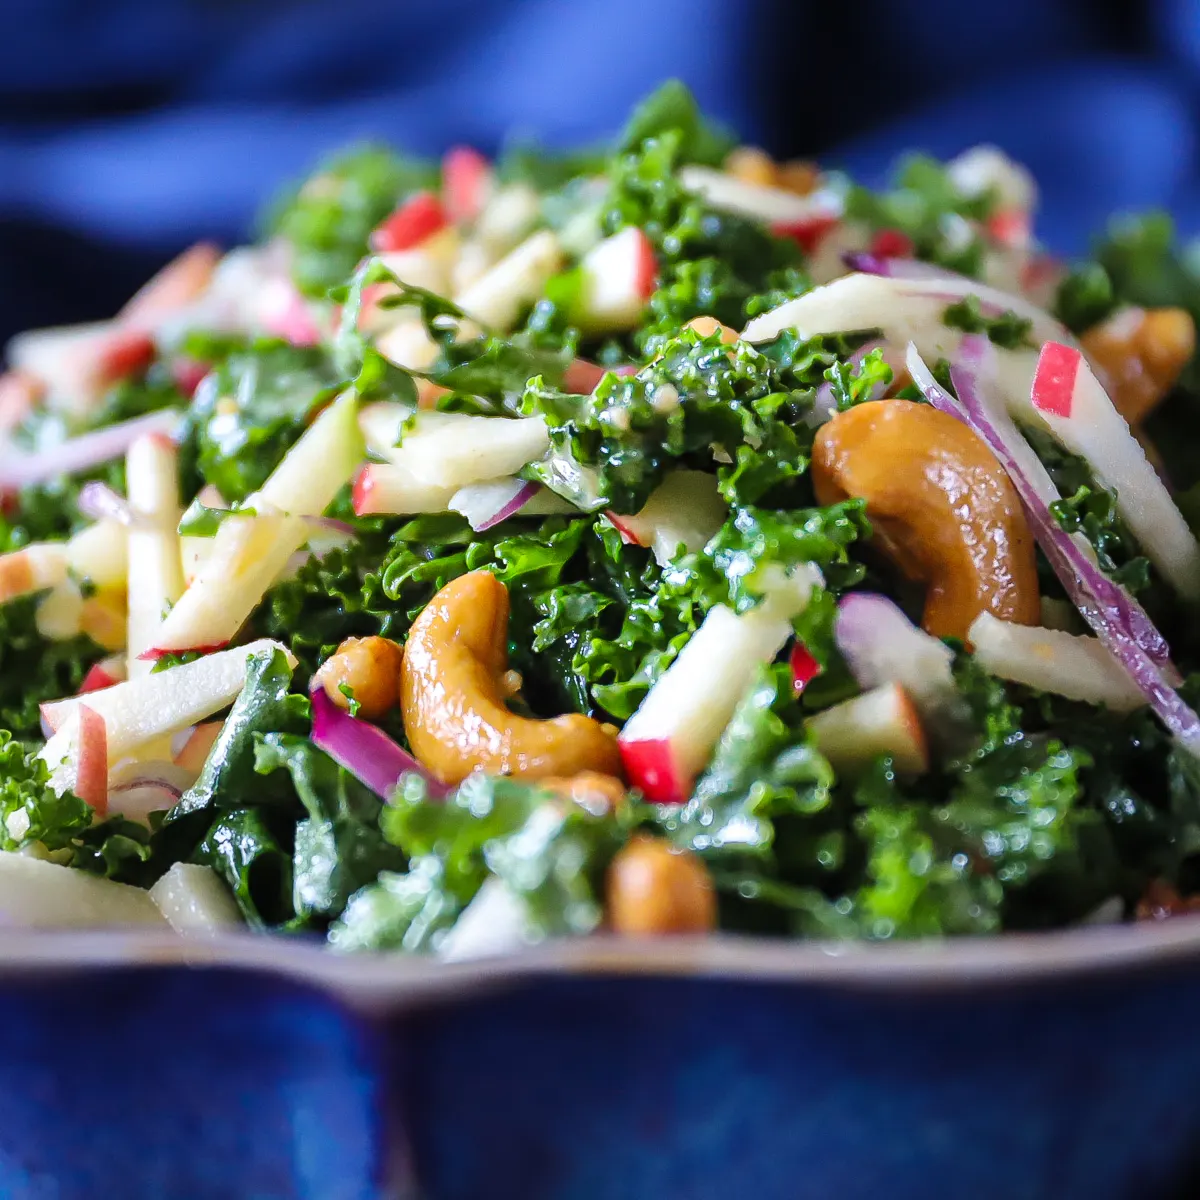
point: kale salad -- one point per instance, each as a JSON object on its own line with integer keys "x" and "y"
{"x": 650, "y": 540}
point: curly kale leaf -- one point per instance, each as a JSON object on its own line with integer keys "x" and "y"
{"x": 612, "y": 448}
{"x": 339, "y": 846}
{"x": 34, "y": 669}
{"x": 329, "y": 220}
{"x": 710, "y": 263}
{"x": 30, "y": 810}
{"x": 251, "y": 849}
{"x": 550, "y": 855}
{"x": 925, "y": 205}
{"x": 250, "y": 410}
{"x": 1008, "y": 329}
{"x": 1091, "y": 510}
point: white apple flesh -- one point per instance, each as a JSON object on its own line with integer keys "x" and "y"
{"x": 497, "y": 298}
{"x": 670, "y": 738}
{"x": 1070, "y": 665}
{"x": 618, "y": 277}
{"x": 883, "y": 721}
{"x": 1070, "y": 400}
{"x": 195, "y": 901}
{"x": 139, "y": 710}
{"x": 36, "y": 894}
{"x": 683, "y": 512}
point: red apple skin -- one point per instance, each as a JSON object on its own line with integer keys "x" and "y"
{"x": 187, "y": 374}
{"x": 361, "y": 492}
{"x": 91, "y": 777}
{"x": 647, "y": 267}
{"x": 627, "y": 535}
{"x": 194, "y": 752}
{"x": 804, "y": 667}
{"x": 911, "y": 720}
{"x": 1054, "y": 380}
{"x": 127, "y": 353}
{"x": 418, "y": 218}
{"x": 807, "y": 234}
{"x": 157, "y": 652}
{"x": 581, "y": 377}
{"x": 891, "y": 243}
{"x": 465, "y": 177}
{"x": 1009, "y": 227}
{"x": 650, "y": 765}
{"x": 294, "y": 323}
{"x": 97, "y": 679}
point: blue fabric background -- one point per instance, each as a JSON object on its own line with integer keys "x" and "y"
{"x": 129, "y": 128}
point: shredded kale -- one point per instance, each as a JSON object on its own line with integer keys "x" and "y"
{"x": 328, "y": 220}
{"x": 1008, "y": 329}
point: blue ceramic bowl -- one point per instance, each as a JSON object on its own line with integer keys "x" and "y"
{"x": 1060, "y": 1066}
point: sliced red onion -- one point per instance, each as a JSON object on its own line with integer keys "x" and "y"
{"x": 1115, "y": 618}
{"x": 100, "y": 502}
{"x": 487, "y": 504}
{"x": 365, "y": 750}
{"x": 894, "y": 268}
{"x": 1037, "y": 493}
{"x": 824, "y": 405}
{"x": 83, "y": 452}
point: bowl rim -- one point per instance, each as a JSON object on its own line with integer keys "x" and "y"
{"x": 386, "y": 982}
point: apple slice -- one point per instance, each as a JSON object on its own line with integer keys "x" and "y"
{"x": 104, "y": 674}
{"x": 195, "y": 901}
{"x": 177, "y": 286}
{"x": 193, "y": 754}
{"x": 155, "y": 568}
{"x": 32, "y": 569}
{"x": 466, "y": 183}
{"x": 508, "y": 216}
{"x": 984, "y": 169}
{"x": 249, "y": 553}
{"x": 99, "y": 554}
{"x": 882, "y": 721}
{"x": 804, "y": 667}
{"x": 451, "y": 450}
{"x": 78, "y": 363}
{"x": 91, "y": 772}
{"x": 685, "y": 510}
{"x": 771, "y": 205}
{"x": 906, "y": 310}
{"x": 20, "y": 395}
{"x": 384, "y": 488}
{"x": 36, "y": 894}
{"x": 668, "y": 741}
{"x": 140, "y": 710}
{"x": 59, "y": 614}
{"x": 1070, "y": 400}
{"x": 418, "y": 218}
{"x": 617, "y": 279}
{"x": 498, "y": 297}
{"x": 1078, "y": 667}
{"x": 495, "y": 922}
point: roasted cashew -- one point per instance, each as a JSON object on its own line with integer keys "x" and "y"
{"x": 452, "y": 695}
{"x": 1140, "y": 353}
{"x": 370, "y": 668}
{"x": 941, "y": 507}
{"x": 654, "y": 888}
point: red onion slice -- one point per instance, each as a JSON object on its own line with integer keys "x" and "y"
{"x": 101, "y": 502}
{"x": 83, "y": 452}
{"x": 365, "y": 750}
{"x": 485, "y": 505}
{"x": 1113, "y": 618}
{"x": 894, "y": 268}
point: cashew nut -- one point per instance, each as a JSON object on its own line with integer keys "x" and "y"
{"x": 941, "y": 507}
{"x": 370, "y": 668}
{"x": 1140, "y": 353}
{"x": 452, "y": 695}
{"x": 654, "y": 888}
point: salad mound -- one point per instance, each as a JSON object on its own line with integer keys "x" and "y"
{"x": 654, "y": 539}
